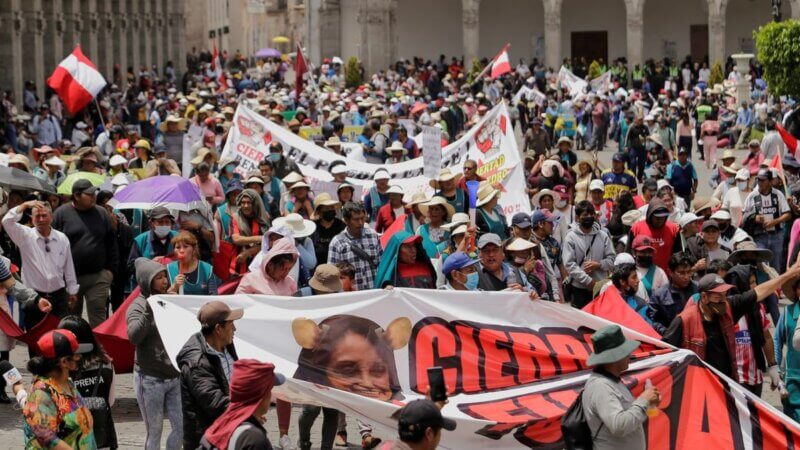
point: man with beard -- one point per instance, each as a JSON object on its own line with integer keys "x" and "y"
{"x": 706, "y": 326}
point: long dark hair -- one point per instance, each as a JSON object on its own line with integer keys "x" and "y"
{"x": 41, "y": 366}
{"x": 83, "y": 331}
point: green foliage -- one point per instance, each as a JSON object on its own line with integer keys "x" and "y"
{"x": 352, "y": 73}
{"x": 778, "y": 47}
{"x": 717, "y": 76}
{"x": 474, "y": 71}
{"x": 594, "y": 70}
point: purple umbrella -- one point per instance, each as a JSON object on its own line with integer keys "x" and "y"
{"x": 268, "y": 52}
{"x": 172, "y": 192}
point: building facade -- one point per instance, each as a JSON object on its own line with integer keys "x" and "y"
{"x": 380, "y": 32}
{"x": 35, "y": 35}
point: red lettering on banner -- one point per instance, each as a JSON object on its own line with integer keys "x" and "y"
{"x": 704, "y": 421}
{"x": 528, "y": 350}
{"x": 772, "y": 432}
{"x": 469, "y": 357}
{"x": 441, "y": 344}
{"x": 249, "y": 152}
{"x": 497, "y": 358}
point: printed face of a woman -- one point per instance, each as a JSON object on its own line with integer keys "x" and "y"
{"x": 356, "y": 366}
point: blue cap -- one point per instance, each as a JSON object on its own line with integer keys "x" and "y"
{"x": 521, "y": 220}
{"x": 235, "y": 185}
{"x": 457, "y": 261}
{"x": 542, "y": 215}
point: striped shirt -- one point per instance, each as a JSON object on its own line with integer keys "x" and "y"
{"x": 745, "y": 357}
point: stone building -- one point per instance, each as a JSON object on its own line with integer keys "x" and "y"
{"x": 35, "y": 35}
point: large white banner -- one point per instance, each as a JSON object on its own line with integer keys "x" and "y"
{"x": 491, "y": 143}
{"x": 512, "y": 366}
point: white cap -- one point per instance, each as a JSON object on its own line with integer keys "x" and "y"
{"x": 743, "y": 174}
{"x": 394, "y": 189}
{"x": 55, "y": 161}
{"x": 687, "y": 218}
{"x": 120, "y": 179}
{"x": 662, "y": 183}
{"x": 597, "y": 185}
{"x": 117, "y": 160}
{"x": 381, "y": 174}
{"x": 338, "y": 169}
{"x": 624, "y": 258}
{"x": 721, "y": 214}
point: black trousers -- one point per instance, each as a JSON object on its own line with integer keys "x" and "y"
{"x": 58, "y": 300}
{"x": 580, "y": 297}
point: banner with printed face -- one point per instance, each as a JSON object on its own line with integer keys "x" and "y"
{"x": 512, "y": 366}
{"x": 491, "y": 143}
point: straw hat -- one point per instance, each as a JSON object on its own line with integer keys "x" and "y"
{"x": 142, "y": 143}
{"x": 445, "y": 175}
{"x": 333, "y": 141}
{"x": 300, "y": 227}
{"x": 549, "y": 166}
{"x": 292, "y": 177}
{"x": 457, "y": 220}
{"x": 299, "y": 184}
{"x": 20, "y": 159}
{"x": 417, "y": 198}
{"x": 732, "y": 169}
{"x": 538, "y": 197}
{"x": 437, "y": 200}
{"x": 55, "y": 161}
{"x": 324, "y": 199}
{"x": 519, "y": 245}
{"x": 396, "y": 146}
{"x": 201, "y": 155}
{"x": 173, "y": 119}
{"x": 486, "y": 193}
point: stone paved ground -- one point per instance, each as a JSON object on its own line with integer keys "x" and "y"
{"x": 130, "y": 429}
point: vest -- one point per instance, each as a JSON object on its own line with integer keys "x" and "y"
{"x": 200, "y": 287}
{"x": 497, "y": 227}
{"x": 638, "y": 74}
{"x": 681, "y": 179}
{"x": 94, "y": 386}
{"x": 459, "y": 202}
{"x": 377, "y": 202}
{"x": 145, "y": 244}
{"x": 694, "y": 335}
{"x": 225, "y": 222}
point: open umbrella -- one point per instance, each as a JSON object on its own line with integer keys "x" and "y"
{"x": 172, "y": 192}
{"x": 280, "y": 40}
{"x": 19, "y": 180}
{"x": 268, "y": 52}
{"x": 65, "y": 188}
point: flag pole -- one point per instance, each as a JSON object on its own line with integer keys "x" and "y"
{"x": 485, "y": 69}
{"x": 100, "y": 113}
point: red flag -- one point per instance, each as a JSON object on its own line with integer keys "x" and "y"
{"x": 216, "y": 67}
{"x": 398, "y": 224}
{"x": 300, "y": 68}
{"x": 788, "y": 139}
{"x": 12, "y": 330}
{"x": 611, "y": 306}
{"x": 76, "y": 81}
{"x": 500, "y": 63}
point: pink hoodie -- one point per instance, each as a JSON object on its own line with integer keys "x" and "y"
{"x": 260, "y": 283}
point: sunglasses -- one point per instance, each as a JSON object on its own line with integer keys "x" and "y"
{"x": 47, "y": 245}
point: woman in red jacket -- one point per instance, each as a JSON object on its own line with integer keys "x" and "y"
{"x": 391, "y": 210}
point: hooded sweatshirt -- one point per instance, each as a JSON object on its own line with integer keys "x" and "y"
{"x": 388, "y": 271}
{"x": 260, "y": 283}
{"x": 663, "y": 239}
{"x": 151, "y": 356}
{"x": 577, "y": 250}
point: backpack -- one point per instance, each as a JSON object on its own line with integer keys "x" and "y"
{"x": 575, "y": 429}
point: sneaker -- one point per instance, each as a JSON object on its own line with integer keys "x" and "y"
{"x": 341, "y": 440}
{"x": 285, "y": 443}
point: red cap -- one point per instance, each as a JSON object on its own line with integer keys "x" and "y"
{"x": 562, "y": 191}
{"x": 60, "y": 343}
{"x": 642, "y": 242}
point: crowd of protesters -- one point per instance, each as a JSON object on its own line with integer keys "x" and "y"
{"x": 704, "y": 272}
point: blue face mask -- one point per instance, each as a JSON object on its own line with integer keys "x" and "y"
{"x": 275, "y": 157}
{"x": 472, "y": 281}
{"x": 229, "y": 168}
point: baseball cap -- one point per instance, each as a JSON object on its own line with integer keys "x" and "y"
{"x": 542, "y": 215}
{"x": 521, "y": 220}
{"x": 59, "y": 343}
{"x": 489, "y": 238}
{"x": 618, "y": 157}
{"x": 159, "y": 212}
{"x": 682, "y": 149}
{"x": 713, "y": 283}
{"x": 381, "y": 174}
{"x": 722, "y": 214}
{"x": 764, "y": 174}
{"x": 418, "y": 415}
{"x": 650, "y": 184}
{"x": 688, "y": 218}
{"x": 642, "y": 242}
{"x": 597, "y": 185}
{"x": 710, "y": 224}
{"x": 562, "y": 191}
{"x": 216, "y": 312}
{"x": 457, "y": 261}
{"x": 83, "y": 187}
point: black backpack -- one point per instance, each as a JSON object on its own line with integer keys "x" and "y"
{"x": 575, "y": 428}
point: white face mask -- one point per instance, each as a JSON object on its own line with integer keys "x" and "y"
{"x": 162, "y": 231}
{"x": 561, "y": 204}
{"x": 742, "y": 185}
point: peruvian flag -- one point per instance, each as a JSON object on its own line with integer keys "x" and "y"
{"x": 500, "y": 63}
{"x": 300, "y": 68}
{"x": 216, "y": 67}
{"x": 76, "y": 81}
{"x": 789, "y": 140}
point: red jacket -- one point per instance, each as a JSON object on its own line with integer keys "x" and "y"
{"x": 694, "y": 335}
{"x": 385, "y": 218}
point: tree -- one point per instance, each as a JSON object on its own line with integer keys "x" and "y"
{"x": 352, "y": 73}
{"x": 594, "y": 70}
{"x": 474, "y": 71}
{"x": 717, "y": 76}
{"x": 779, "y": 54}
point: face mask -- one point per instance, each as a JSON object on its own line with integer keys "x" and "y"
{"x": 275, "y": 157}
{"x": 472, "y": 281}
{"x": 520, "y": 260}
{"x": 717, "y": 309}
{"x": 229, "y": 169}
{"x": 561, "y": 204}
{"x": 644, "y": 261}
{"x": 587, "y": 222}
{"x": 328, "y": 215}
{"x": 162, "y": 231}
{"x": 742, "y": 185}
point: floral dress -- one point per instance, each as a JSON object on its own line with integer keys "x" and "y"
{"x": 53, "y": 414}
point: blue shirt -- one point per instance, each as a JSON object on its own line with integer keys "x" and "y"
{"x": 745, "y": 117}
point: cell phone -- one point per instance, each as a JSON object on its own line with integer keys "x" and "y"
{"x": 12, "y": 377}
{"x": 436, "y": 383}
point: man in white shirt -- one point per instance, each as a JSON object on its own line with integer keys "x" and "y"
{"x": 46, "y": 258}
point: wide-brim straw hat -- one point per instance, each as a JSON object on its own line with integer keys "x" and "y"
{"x": 201, "y": 155}
{"x": 486, "y": 193}
{"x": 300, "y": 227}
{"x": 538, "y": 197}
{"x": 437, "y": 200}
{"x": 445, "y": 175}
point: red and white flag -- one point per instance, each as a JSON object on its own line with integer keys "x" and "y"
{"x": 789, "y": 140}
{"x": 500, "y": 63}
{"x": 76, "y": 81}
{"x": 216, "y": 67}
{"x": 300, "y": 68}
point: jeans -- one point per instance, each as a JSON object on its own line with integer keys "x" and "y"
{"x": 330, "y": 423}
{"x": 94, "y": 291}
{"x": 773, "y": 241}
{"x": 155, "y": 396}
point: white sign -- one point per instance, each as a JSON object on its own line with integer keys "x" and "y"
{"x": 431, "y": 151}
